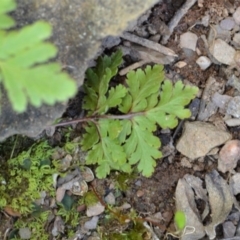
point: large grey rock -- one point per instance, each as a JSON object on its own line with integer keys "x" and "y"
{"x": 79, "y": 27}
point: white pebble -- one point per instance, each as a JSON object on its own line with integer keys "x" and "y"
{"x": 180, "y": 64}
{"x": 203, "y": 62}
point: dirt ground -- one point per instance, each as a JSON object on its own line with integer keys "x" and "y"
{"x": 156, "y": 195}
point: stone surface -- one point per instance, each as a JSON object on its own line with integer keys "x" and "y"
{"x": 79, "y": 27}
{"x": 199, "y": 138}
{"x": 223, "y": 52}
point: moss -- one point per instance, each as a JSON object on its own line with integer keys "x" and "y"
{"x": 35, "y": 225}
{"x": 90, "y": 199}
{"x": 26, "y": 176}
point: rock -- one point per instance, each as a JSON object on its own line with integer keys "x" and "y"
{"x": 205, "y": 20}
{"x": 235, "y": 183}
{"x": 78, "y": 30}
{"x": 229, "y": 156}
{"x": 232, "y": 122}
{"x": 95, "y": 210}
{"x": 180, "y": 64}
{"x": 230, "y": 105}
{"x": 207, "y": 107}
{"x": 92, "y": 223}
{"x": 138, "y": 183}
{"x": 220, "y": 199}
{"x": 25, "y": 233}
{"x": 223, "y": 52}
{"x": 140, "y": 193}
{"x": 234, "y": 81}
{"x": 234, "y": 217}
{"x": 220, "y": 100}
{"x": 188, "y": 40}
{"x": 199, "y": 138}
{"x": 227, "y": 23}
{"x": 185, "y": 202}
{"x": 236, "y": 16}
{"x": 110, "y": 42}
{"x": 110, "y": 199}
{"x": 203, "y": 62}
{"x": 228, "y": 230}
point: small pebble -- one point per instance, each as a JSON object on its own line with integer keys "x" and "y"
{"x": 125, "y": 206}
{"x": 229, "y": 156}
{"x": 140, "y": 193}
{"x": 188, "y": 40}
{"x": 203, "y": 62}
{"x": 25, "y": 233}
{"x": 95, "y": 210}
{"x": 110, "y": 199}
{"x": 227, "y": 23}
{"x": 233, "y": 122}
{"x": 92, "y": 223}
{"x": 180, "y": 64}
{"x": 228, "y": 229}
{"x": 110, "y": 41}
{"x": 234, "y": 217}
{"x": 205, "y": 20}
{"x": 138, "y": 183}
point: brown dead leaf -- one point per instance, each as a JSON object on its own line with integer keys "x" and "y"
{"x": 12, "y": 212}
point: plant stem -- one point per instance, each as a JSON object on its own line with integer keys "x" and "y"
{"x": 94, "y": 118}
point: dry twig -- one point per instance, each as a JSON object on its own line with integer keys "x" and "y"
{"x": 177, "y": 17}
{"x": 149, "y": 44}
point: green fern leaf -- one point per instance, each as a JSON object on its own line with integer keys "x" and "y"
{"x": 25, "y": 81}
{"x": 147, "y": 101}
{"x": 5, "y": 7}
{"x": 97, "y": 85}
